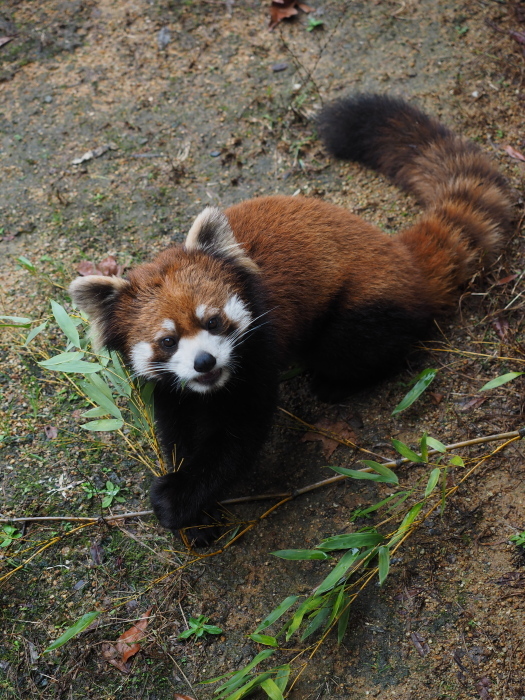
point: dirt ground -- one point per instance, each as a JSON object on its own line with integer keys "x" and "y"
{"x": 195, "y": 102}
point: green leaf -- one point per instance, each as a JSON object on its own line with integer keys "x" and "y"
{"x": 356, "y": 474}
{"x": 277, "y": 612}
{"x": 436, "y": 445}
{"x": 390, "y": 476}
{"x": 422, "y": 382}
{"x": 62, "y": 358}
{"x": 15, "y": 321}
{"x": 79, "y": 626}
{"x": 271, "y": 689}
{"x": 423, "y": 447}
{"x": 432, "y": 481}
{"x": 282, "y": 676}
{"x": 264, "y": 639}
{"x": 407, "y": 522}
{"x": 456, "y": 461}
{"x": 106, "y": 425}
{"x": 307, "y": 606}
{"x": 95, "y": 413}
{"x": 92, "y": 390}
{"x": 241, "y": 675}
{"x": 300, "y": 554}
{"x": 66, "y": 323}
{"x": 405, "y": 451}
{"x": 343, "y": 620}
{"x": 27, "y": 264}
{"x": 212, "y": 629}
{"x": 79, "y": 367}
{"x": 384, "y": 563}
{"x": 338, "y": 571}
{"x": 503, "y": 379}
{"x": 319, "y": 619}
{"x": 350, "y": 541}
{"x": 249, "y": 687}
{"x": 33, "y": 333}
{"x": 107, "y": 500}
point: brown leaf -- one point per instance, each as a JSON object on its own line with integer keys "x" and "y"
{"x": 51, "y": 432}
{"x": 501, "y": 326}
{"x": 86, "y": 268}
{"x": 5, "y": 40}
{"x": 482, "y": 686}
{"x": 473, "y": 403}
{"x": 97, "y": 553}
{"x": 109, "y": 266}
{"x": 283, "y": 9}
{"x": 517, "y": 36}
{"x": 339, "y": 429}
{"x": 436, "y": 397}
{"x": 505, "y": 280}
{"x": 127, "y": 644}
{"x": 420, "y": 643}
{"x": 177, "y": 696}
{"x": 513, "y": 153}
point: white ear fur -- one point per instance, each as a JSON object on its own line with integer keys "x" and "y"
{"x": 94, "y": 295}
{"x": 211, "y": 232}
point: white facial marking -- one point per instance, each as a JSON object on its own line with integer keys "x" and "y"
{"x": 237, "y": 312}
{"x": 200, "y": 311}
{"x": 141, "y": 355}
{"x": 182, "y": 362}
{"x": 168, "y": 325}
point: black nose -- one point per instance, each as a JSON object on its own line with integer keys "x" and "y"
{"x": 204, "y": 362}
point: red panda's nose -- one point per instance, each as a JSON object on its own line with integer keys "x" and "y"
{"x": 204, "y": 362}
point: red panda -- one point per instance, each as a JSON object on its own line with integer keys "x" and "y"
{"x": 279, "y": 278}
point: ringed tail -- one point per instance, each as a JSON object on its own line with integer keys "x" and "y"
{"x": 468, "y": 211}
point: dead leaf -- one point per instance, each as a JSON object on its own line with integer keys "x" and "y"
{"x": 97, "y": 552}
{"x": 182, "y": 697}
{"x": 127, "y": 644}
{"x": 513, "y": 153}
{"x": 501, "y": 326}
{"x": 505, "y": 280}
{"x": 339, "y": 429}
{"x": 482, "y": 686}
{"x": 95, "y": 153}
{"x": 51, "y": 432}
{"x": 420, "y": 643}
{"x": 5, "y": 40}
{"x": 517, "y": 36}
{"x": 472, "y": 403}
{"x": 107, "y": 267}
{"x": 284, "y": 9}
{"x": 436, "y": 397}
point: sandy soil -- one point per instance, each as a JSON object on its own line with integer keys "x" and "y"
{"x": 191, "y": 105}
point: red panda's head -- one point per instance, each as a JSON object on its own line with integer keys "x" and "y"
{"x": 181, "y": 318}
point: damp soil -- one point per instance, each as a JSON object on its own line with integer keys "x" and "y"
{"x": 184, "y": 104}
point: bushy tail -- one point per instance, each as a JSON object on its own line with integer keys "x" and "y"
{"x": 468, "y": 208}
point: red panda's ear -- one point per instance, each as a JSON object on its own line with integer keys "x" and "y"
{"x": 211, "y": 232}
{"x": 95, "y": 294}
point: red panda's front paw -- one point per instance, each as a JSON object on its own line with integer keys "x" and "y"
{"x": 180, "y": 504}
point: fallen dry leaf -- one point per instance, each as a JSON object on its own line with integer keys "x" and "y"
{"x": 51, "y": 432}
{"x": 107, "y": 267}
{"x": 506, "y": 280}
{"x": 339, "y": 429}
{"x": 501, "y": 326}
{"x": 127, "y": 644}
{"x": 283, "y": 9}
{"x": 473, "y": 403}
{"x": 513, "y": 153}
{"x": 177, "y": 696}
{"x": 420, "y": 643}
{"x": 5, "y": 40}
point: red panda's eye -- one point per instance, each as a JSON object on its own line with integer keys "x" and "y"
{"x": 168, "y": 342}
{"x": 214, "y": 324}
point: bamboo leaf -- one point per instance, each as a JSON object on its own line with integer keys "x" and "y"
{"x": 343, "y": 620}
{"x": 406, "y": 452}
{"x": 33, "y": 333}
{"x": 79, "y": 626}
{"x": 436, "y": 445}
{"x": 66, "y": 323}
{"x": 356, "y": 474}
{"x": 502, "y": 379}
{"x": 300, "y": 554}
{"x": 456, "y": 461}
{"x": 62, "y": 358}
{"x": 106, "y": 425}
{"x": 15, "y": 322}
{"x": 423, "y": 380}
{"x": 277, "y": 612}
{"x": 282, "y": 676}
{"x": 384, "y": 563}
{"x": 351, "y": 540}
{"x": 271, "y": 689}
{"x": 432, "y": 481}
{"x": 79, "y": 367}
{"x": 96, "y": 412}
{"x": 101, "y": 398}
{"x": 338, "y": 571}
{"x": 318, "y": 619}
{"x": 307, "y": 606}
{"x": 264, "y": 639}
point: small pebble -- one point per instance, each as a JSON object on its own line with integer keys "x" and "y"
{"x": 278, "y": 67}
{"x": 215, "y": 154}
{"x": 48, "y": 99}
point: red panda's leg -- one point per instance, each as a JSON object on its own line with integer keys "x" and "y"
{"x": 359, "y": 347}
